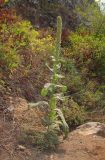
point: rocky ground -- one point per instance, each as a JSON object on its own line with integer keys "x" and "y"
{"x": 85, "y": 143}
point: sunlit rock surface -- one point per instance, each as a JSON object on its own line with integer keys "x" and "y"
{"x": 92, "y": 128}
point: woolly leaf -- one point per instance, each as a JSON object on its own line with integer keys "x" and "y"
{"x": 64, "y": 88}
{"x": 59, "y": 96}
{"x": 53, "y": 103}
{"x": 59, "y": 76}
{"x": 38, "y": 103}
{"x": 51, "y": 69}
{"x": 64, "y": 124}
{"x": 44, "y": 92}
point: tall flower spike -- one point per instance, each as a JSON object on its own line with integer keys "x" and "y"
{"x": 58, "y": 37}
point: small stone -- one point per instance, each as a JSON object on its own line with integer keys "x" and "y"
{"x": 51, "y": 157}
{"x": 21, "y": 148}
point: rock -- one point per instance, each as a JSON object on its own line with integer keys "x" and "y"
{"x": 21, "y": 148}
{"x": 92, "y": 128}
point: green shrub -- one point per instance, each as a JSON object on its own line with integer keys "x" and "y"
{"x": 92, "y": 18}
{"x": 88, "y": 51}
{"x": 87, "y": 45}
{"x": 73, "y": 80}
{"x": 44, "y": 140}
{"x": 74, "y": 114}
{"x": 17, "y": 37}
{"x": 50, "y": 140}
{"x": 90, "y": 98}
{"x": 8, "y": 57}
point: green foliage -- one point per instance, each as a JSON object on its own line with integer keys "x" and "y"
{"x": 84, "y": 67}
{"x": 44, "y": 92}
{"x": 44, "y": 140}
{"x": 86, "y": 45}
{"x": 91, "y": 17}
{"x": 55, "y": 91}
{"x": 74, "y": 114}
{"x": 51, "y": 88}
{"x": 31, "y": 137}
{"x": 31, "y": 37}
{"x": 50, "y": 140}
{"x": 17, "y": 37}
{"x": 88, "y": 51}
{"x": 69, "y": 66}
{"x": 91, "y": 98}
{"x": 8, "y": 57}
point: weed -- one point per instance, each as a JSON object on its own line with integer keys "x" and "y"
{"x": 55, "y": 91}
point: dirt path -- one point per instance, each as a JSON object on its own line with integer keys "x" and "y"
{"x": 79, "y": 147}
{"x": 76, "y": 147}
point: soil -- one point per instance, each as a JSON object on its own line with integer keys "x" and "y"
{"x": 75, "y": 147}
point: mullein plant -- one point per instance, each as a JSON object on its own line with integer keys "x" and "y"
{"x": 55, "y": 90}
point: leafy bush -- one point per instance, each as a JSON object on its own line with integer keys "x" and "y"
{"x": 44, "y": 140}
{"x": 88, "y": 42}
{"x": 17, "y": 36}
{"x": 88, "y": 51}
{"x": 74, "y": 114}
{"x": 91, "y": 17}
{"x": 91, "y": 98}
{"x": 50, "y": 140}
{"x": 87, "y": 46}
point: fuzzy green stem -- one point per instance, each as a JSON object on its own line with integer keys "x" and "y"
{"x": 57, "y": 48}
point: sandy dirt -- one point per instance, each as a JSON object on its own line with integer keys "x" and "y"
{"x": 75, "y": 147}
